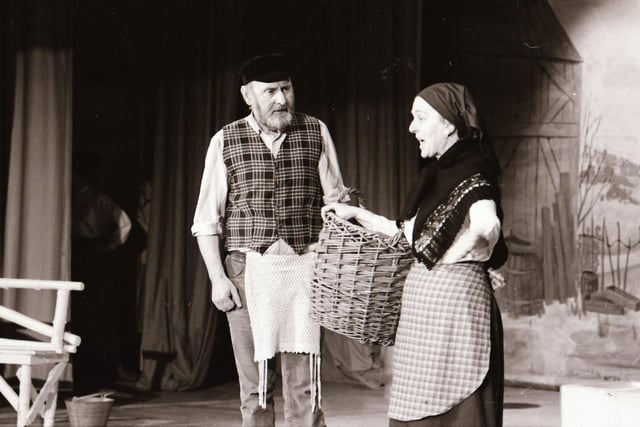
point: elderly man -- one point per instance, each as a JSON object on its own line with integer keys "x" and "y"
{"x": 265, "y": 180}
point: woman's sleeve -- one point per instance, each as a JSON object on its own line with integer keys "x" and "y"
{"x": 478, "y": 236}
{"x": 484, "y": 222}
{"x": 378, "y": 223}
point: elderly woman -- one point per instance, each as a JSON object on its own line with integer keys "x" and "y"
{"x": 448, "y": 356}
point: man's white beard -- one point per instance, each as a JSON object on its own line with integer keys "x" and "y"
{"x": 277, "y": 123}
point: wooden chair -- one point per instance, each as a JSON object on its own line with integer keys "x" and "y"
{"x": 53, "y": 350}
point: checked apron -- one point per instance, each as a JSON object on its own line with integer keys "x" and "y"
{"x": 443, "y": 341}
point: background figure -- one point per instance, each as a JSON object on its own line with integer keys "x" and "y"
{"x": 265, "y": 179}
{"x": 102, "y": 241}
{"x": 143, "y": 216}
{"x": 448, "y": 367}
{"x": 346, "y": 359}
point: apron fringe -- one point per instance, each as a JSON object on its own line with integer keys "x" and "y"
{"x": 262, "y": 384}
{"x": 315, "y": 361}
{"x": 316, "y": 384}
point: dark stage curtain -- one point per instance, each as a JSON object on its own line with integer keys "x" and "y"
{"x": 35, "y": 149}
{"x": 196, "y": 94}
{"x": 356, "y": 70}
{"x": 7, "y": 86}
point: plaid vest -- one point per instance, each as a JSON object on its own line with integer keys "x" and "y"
{"x": 271, "y": 198}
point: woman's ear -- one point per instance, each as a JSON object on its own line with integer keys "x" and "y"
{"x": 449, "y": 128}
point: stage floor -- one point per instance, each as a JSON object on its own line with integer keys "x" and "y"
{"x": 344, "y": 404}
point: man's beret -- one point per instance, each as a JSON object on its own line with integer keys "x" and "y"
{"x": 265, "y": 68}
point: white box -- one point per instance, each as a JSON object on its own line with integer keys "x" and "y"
{"x": 600, "y": 404}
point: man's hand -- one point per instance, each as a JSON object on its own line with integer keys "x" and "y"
{"x": 224, "y": 294}
{"x": 311, "y": 248}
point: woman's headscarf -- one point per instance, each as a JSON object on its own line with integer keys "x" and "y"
{"x": 454, "y": 102}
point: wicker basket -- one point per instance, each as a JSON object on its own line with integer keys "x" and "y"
{"x": 89, "y": 411}
{"x": 357, "y": 281}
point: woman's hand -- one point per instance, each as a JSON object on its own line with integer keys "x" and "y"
{"x": 365, "y": 218}
{"x": 342, "y": 210}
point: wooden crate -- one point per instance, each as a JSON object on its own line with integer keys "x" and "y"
{"x": 598, "y": 303}
{"x": 622, "y": 298}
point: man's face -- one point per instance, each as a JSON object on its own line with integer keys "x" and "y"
{"x": 271, "y": 103}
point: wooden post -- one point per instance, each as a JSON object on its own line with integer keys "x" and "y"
{"x": 566, "y": 234}
{"x": 549, "y": 274}
{"x": 602, "y": 246}
{"x": 619, "y": 243}
{"x": 24, "y": 396}
{"x": 626, "y": 265}
{"x": 559, "y": 253}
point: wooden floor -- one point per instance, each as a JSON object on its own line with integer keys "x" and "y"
{"x": 344, "y": 404}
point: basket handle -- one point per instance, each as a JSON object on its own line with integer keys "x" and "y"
{"x": 396, "y": 238}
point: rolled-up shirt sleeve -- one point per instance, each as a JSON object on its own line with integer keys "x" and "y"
{"x": 484, "y": 223}
{"x": 210, "y": 208}
{"x": 330, "y": 176}
{"x": 478, "y": 235}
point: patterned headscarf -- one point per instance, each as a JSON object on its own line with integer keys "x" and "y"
{"x": 454, "y": 102}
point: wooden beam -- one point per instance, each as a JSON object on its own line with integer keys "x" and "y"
{"x": 567, "y": 243}
{"x": 549, "y": 272}
{"x": 599, "y": 304}
{"x": 40, "y": 284}
{"x": 564, "y": 84}
{"x": 8, "y": 345}
{"x": 559, "y": 256}
{"x": 35, "y": 325}
{"x": 555, "y": 109}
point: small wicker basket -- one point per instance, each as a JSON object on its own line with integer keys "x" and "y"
{"x": 89, "y": 411}
{"x": 357, "y": 281}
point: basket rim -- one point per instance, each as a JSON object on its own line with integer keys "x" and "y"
{"x": 90, "y": 400}
{"x": 330, "y": 217}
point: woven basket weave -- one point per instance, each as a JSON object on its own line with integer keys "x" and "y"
{"x": 89, "y": 411}
{"x": 357, "y": 281}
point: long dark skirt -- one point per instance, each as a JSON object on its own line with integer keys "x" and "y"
{"x": 483, "y": 408}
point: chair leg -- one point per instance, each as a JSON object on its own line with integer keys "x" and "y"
{"x": 50, "y": 408}
{"x": 44, "y": 403}
{"x": 24, "y": 397}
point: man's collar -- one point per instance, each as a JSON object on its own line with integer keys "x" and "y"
{"x": 256, "y": 127}
{"x": 253, "y": 123}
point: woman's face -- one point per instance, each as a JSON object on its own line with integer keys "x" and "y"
{"x": 430, "y": 129}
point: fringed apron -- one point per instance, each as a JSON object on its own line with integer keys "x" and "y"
{"x": 277, "y": 289}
